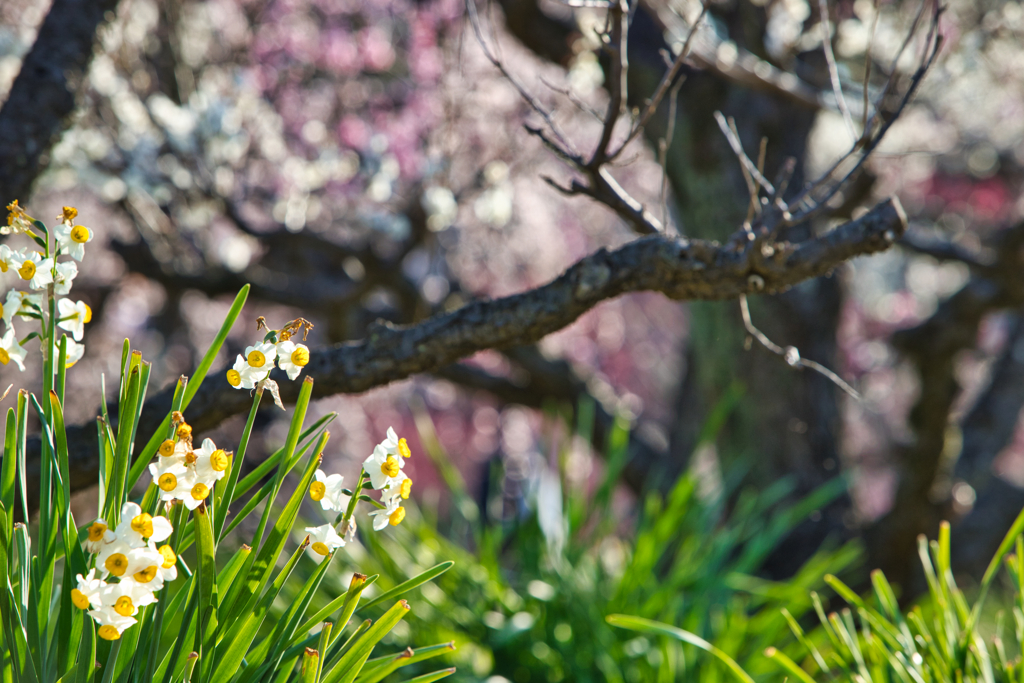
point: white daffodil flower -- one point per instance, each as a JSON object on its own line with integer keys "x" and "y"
{"x": 21, "y": 304}
{"x": 89, "y": 592}
{"x": 38, "y": 271}
{"x": 396, "y": 447}
{"x": 11, "y": 304}
{"x": 64, "y": 274}
{"x": 400, "y": 489}
{"x": 244, "y": 376}
{"x": 292, "y": 357}
{"x": 168, "y": 571}
{"x": 11, "y": 349}
{"x": 10, "y": 258}
{"x": 112, "y": 558}
{"x": 210, "y": 463}
{"x": 73, "y": 316}
{"x": 393, "y": 514}
{"x": 383, "y": 468}
{"x": 138, "y": 527}
{"x": 126, "y": 597}
{"x": 196, "y": 495}
{"x": 324, "y": 539}
{"x": 144, "y": 567}
{"x": 111, "y": 624}
{"x": 327, "y": 490}
{"x": 261, "y": 356}
{"x": 99, "y": 536}
{"x": 71, "y": 239}
{"x": 172, "y": 477}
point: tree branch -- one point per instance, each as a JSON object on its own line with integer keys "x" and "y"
{"x": 43, "y": 94}
{"x": 681, "y": 269}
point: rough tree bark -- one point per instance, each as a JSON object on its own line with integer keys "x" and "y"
{"x": 679, "y": 268}
{"x": 42, "y": 97}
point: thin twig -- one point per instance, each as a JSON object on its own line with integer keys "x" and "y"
{"x": 833, "y": 70}
{"x": 755, "y": 202}
{"x": 732, "y": 136}
{"x": 665, "y": 84}
{"x": 615, "y": 43}
{"x": 790, "y": 353}
{"x": 568, "y": 150}
{"x": 870, "y": 141}
{"x": 666, "y": 142}
{"x": 935, "y": 43}
{"x": 867, "y": 65}
{"x": 806, "y": 195}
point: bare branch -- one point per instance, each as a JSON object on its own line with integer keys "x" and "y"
{"x": 42, "y": 96}
{"x": 665, "y": 84}
{"x": 729, "y": 130}
{"x": 833, "y": 71}
{"x": 606, "y": 190}
{"x": 946, "y": 251}
{"x": 615, "y": 44}
{"x": 870, "y": 140}
{"x": 565, "y": 145}
{"x": 680, "y": 269}
{"x": 790, "y": 353}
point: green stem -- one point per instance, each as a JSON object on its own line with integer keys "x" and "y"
{"x": 353, "y": 499}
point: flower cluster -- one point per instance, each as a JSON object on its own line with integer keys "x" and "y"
{"x": 384, "y": 470}
{"x": 184, "y": 473}
{"x": 131, "y": 569}
{"x": 47, "y": 278}
{"x": 255, "y": 366}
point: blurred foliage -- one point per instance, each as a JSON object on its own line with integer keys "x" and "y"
{"x": 940, "y": 639}
{"x": 528, "y": 595}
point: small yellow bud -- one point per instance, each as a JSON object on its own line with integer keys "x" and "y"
{"x": 390, "y": 466}
{"x": 78, "y": 599}
{"x": 200, "y": 491}
{"x": 167, "y": 482}
{"x": 27, "y": 270}
{"x": 146, "y": 575}
{"x": 219, "y": 460}
{"x": 80, "y": 234}
{"x": 169, "y": 557}
{"x": 317, "y": 490}
{"x": 143, "y": 525}
{"x": 116, "y": 564}
{"x": 96, "y": 531}
{"x": 124, "y": 606}
{"x": 300, "y": 356}
{"x": 108, "y": 632}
